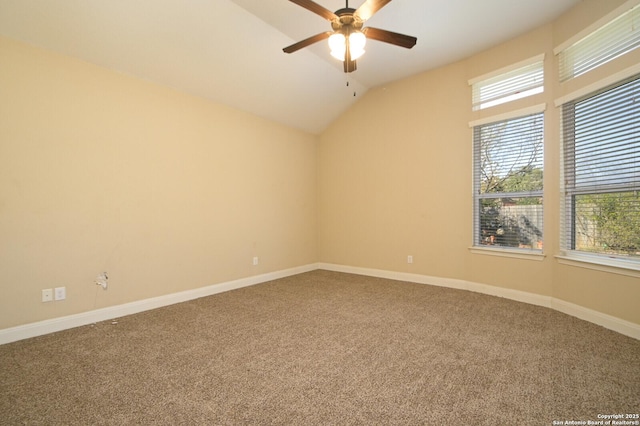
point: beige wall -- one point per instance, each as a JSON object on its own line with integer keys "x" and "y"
{"x": 166, "y": 192}
{"x": 395, "y": 178}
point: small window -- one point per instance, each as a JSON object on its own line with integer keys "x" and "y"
{"x": 614, "y": 39}
{"x": 508, "y": 86}
{"x": 601, "y": 146}
{"x": 508, "y": 175}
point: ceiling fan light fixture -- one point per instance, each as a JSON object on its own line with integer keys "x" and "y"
{"x": 348, "y": 37}
{"x": 338, "y": 45}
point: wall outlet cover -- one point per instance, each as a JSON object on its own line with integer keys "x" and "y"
{"x": 60, "y": 293}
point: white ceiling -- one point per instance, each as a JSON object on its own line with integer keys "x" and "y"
{"x": 230, "y": 51}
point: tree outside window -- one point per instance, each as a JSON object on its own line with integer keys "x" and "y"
{"x": 508, "y": 176}
{"x": 601, "y": 137}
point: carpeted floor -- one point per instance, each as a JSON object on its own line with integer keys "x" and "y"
{"x": 325, "y": 348}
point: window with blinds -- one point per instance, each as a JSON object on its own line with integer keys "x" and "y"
{"x": 619, "y": 36}
{"x": 509, "y": 86}
{"x": 508, "y": 174}
{"x": 601, "y": 138}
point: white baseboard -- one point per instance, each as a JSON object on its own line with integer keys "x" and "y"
{"x": 607, "y": 321}
{"x": 619, "y": 325}
{"x": 63, "y": 323}
{"x": 58, "y": 324}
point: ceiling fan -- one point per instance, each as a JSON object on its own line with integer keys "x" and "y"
{"x": 348, "y": 37}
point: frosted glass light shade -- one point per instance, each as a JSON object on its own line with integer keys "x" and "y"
{"x": 357, "y": 40}
{"x": 337, "y": 45}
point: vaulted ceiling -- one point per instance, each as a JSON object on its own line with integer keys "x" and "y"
{"x": 230, "y": 51}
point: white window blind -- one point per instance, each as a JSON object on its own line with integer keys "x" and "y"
{"x": 508, "y": 175}
{"x": 512, "y": 85}
{"x": 601, "y": 138}
{"x": 619, "y": 36}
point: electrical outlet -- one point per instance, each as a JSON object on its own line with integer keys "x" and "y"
{"x": 255, "y": 260}
{"x": 409, "y": 259}
{"x": 47, "y": 295}
{"x": 60, "y": 293}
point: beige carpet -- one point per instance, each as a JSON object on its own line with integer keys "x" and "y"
{"x": 325, "y": 348}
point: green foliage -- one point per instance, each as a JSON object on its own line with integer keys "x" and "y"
{"x": 611, "y": 222}
{"x": 528, "y": 178}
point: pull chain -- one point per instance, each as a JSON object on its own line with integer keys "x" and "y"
{"x": 354, "y": 92}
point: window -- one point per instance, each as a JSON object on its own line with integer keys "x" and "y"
{"x": 508, "y": 85}
{"x": 508, "y": 172}
{"x": 614, "y": 39}
{"x": 601, "y": 138}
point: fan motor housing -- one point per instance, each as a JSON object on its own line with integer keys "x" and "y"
{"x": 346, "y": 18}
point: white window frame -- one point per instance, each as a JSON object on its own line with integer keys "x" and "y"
{"x": 597, "y": 261}
{"x": 476, "y": 247}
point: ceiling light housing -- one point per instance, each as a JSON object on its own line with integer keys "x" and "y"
{"x": 347, "y": 41}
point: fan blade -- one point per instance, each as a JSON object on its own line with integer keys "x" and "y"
{"x": 316, "y": 8}
{"x": 306, "y": 42}
{"x": 390, "y": 37}
{"x": 369, "y": 7}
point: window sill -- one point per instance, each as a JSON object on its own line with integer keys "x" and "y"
{"x": 614, "y": 266}
{"x": 536, "y": 255}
